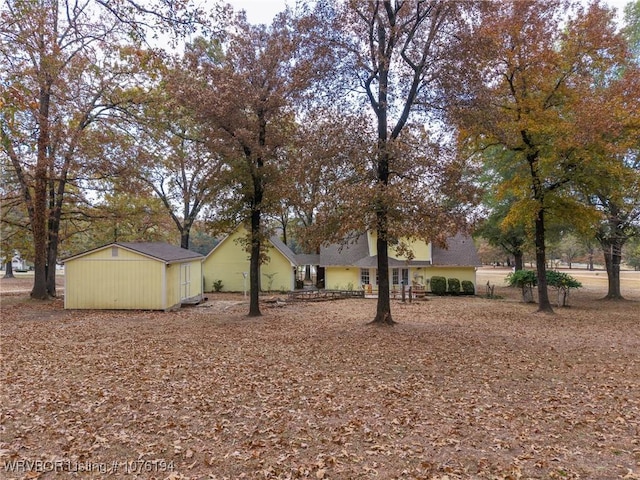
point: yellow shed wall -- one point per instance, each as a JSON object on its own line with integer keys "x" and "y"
{"x": 173, "y": 285}
{"x": 229, "y": 260}
{"x": 341, "y": 278}
{"x": 100, "y": 281}
{"x": 196, "y": 279}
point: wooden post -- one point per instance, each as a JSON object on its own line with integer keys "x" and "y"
{"x": 410, "y": 294}
{"x": 403, "y": 293}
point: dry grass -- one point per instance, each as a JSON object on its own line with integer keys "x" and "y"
{"x": 460, "y": 388}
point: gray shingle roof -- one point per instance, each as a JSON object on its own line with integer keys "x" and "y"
{"x": 357, "y": 255}
{"x": 308, "y": 259}
{"x": 460, "y": 251}
{"x": 345, "y": 255}
{"x": 161, "y": 251}
{"x": 282, "y": 247}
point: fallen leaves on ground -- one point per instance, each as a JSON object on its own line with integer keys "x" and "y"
{"x": 459, "y": 388}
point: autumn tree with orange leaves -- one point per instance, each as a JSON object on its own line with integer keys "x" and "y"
{"x": 406, "y": 183}
{"x": 244, "y": 94}
{"x": 532, "y": 72}
{"x": 62, "y": 75}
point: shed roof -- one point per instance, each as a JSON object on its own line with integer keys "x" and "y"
{"x": 163, "y": 252}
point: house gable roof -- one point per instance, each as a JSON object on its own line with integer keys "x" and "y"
{"x": 274, "y": 240}
{"x": 460, "y": 251}
{"x": 160, "y": 251}
{"x": 338, "y": 255}
{"x": 284, "y": 250}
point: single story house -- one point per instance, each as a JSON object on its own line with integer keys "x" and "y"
{"x": 133, "y": 275}
{"x": 229, "y": 260}
{"x": 354, "y": 264}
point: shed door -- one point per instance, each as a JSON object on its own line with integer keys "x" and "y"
{"x": 185, "y": 280}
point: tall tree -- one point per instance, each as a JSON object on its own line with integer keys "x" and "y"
{"x": 245, "y": 100}
{"x": 393, "y": 53}
{"x": 609, "y": 118}
{"x": 534, "y": 64}
{"x": 61, "y": 74}
{"x": 173, "y": 160}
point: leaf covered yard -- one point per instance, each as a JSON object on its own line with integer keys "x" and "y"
{"x": 459, "y": 388}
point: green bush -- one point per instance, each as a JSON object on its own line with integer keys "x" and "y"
{"x": 563, "y": 283}
{"x": 525, "y": 280}
{"x": 522, "y": 279}
{"x": 561, "y": 280}
{"x": 217, "y": 285}
{"x": 468, "y": 288}
{"x": 453, "y": 286}
{"x": 438, "y": 285}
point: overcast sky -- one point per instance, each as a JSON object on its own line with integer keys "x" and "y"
{"x": 263, "y": 11}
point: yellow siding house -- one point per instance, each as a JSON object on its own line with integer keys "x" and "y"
{"x": 229, "y": 262}
{"x": 354, "y": 265}
{"x": 133, "y": 275}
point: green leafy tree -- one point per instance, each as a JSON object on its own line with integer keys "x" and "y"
{"x": 510, "y": 238}
{"x": 632, "y": 254}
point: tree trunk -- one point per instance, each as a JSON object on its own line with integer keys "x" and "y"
{"x": 612, "y": 257}
{"x": 53, "y": 229}
{"x": 39, "y": 217}
{"x": 8, "y": 270}
{"x": 184, "y": 239}
{"x": 518, "y": 260}
{"x": 254, "y": 266}
{"x": 52, "y": 258}
{"x": 383, "y": 311}
{"x": 544, "y": 305}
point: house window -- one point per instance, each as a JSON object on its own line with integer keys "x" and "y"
{"x": 114, "y": 251}
{"x": 364, "y": 276}
{"x": 395, "y": 276}
{"x": 405, "y": 276}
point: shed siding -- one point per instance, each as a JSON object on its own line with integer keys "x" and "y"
{"x": 196, "y": 279}
{"x": 128, "y": 281}
{"x": 172, "y": 279}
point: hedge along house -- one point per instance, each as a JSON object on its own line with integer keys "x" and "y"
{"x": 228, "y": 263}
{"x": 136, "y": 275}
{"x": 354, "y": 265}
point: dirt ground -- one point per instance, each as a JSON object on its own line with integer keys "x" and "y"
{"x": 460, "y": 388}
